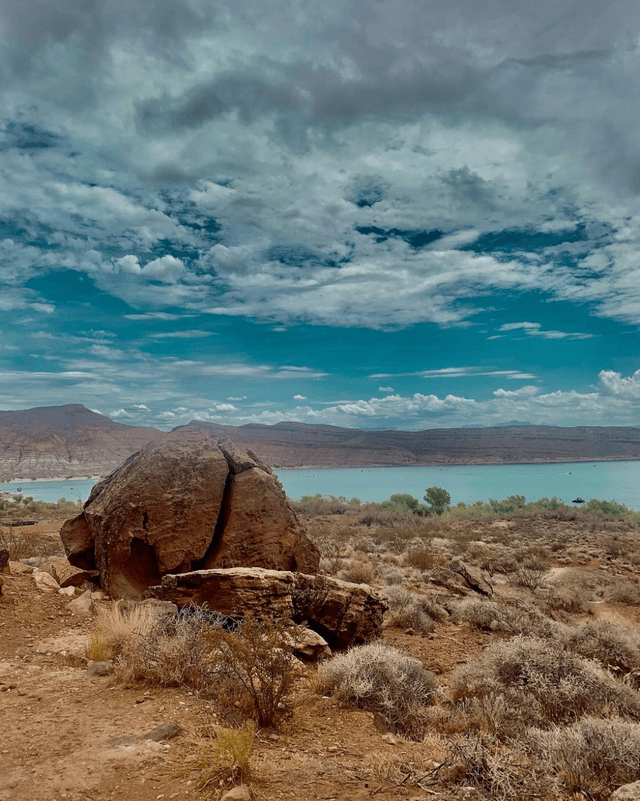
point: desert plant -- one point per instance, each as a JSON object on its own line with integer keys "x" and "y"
{"x": 542, "y": 683}
{"x": 255, "y": 659}
{"x": 591, "y": 757}
{"x": 224, "y": 761}
{"x": 358, "y": 571}
{"x": 616, "y": 648}
{"x": 410, "y": 610}
{"x": 383, "y": 680}
{"x": 168, "y": 651}
{"x": 424, "y": 559}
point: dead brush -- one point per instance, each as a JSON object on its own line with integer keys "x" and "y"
{"x": 168, "y": 652}
{"x": 24, "y": 543}
{"x": 117, "y": 624}
{"x": 591, "y": 757}
{"x": 254, "y": 663}
{"x": 382, "y": 679}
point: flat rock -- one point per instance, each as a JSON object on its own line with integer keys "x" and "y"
{"x": 473, "y": 576}
{"x": 341, "y": 612}
{"x": 101, "y": 668}
{"x": 185, "y": 502}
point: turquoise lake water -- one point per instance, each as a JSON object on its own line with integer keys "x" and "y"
{"x": 611, "y": 481}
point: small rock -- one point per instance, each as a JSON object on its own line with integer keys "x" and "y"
{"x": 311, "y": 645}
{"x": 45, "y": 581}
{"x": 70, "y": 591}
{"x": 98, "y": 595}
{"x": 628, "y": 792}
{"x": 100, "y": 668}
{"x": 390, "y": 738}
{"x": 239, "y": 793}
{"x": 165, "y": 731}
{"x": 82, "y": 606}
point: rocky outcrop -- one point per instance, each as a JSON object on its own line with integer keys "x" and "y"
{"x": 341, "y": 612}
{"x": 186, "y": 502}
{"x": 472, "y": 576}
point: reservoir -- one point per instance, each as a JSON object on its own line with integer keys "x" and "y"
{"x": 611, "y": 481}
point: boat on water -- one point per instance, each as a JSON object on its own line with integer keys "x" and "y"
{"x": 578, "y": 500}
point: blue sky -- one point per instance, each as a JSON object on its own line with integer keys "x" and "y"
{"x": 382, "y": 214}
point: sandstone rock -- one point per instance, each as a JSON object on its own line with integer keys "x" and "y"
{"x": 311, "y": 645}
{"x": 628, "y": 792}
{"x": 341, "y": 612}
{"x": 183, "y": 503}
{"x": 473, "y": 577}
{"x": 70, "y": 591}
{"x": 45, "y": 581}
{"x": 82, "y": 606}
{"x": 164, "y": 731}
{"x": 20, "y": 569}
{"x": 1, "y": 584}
{"x": 239, "y": 793}
{"x": 4, "y": 561}
{"x": 442, "y": 577}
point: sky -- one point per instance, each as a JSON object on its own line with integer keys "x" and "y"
{"x": 411, "y": 214}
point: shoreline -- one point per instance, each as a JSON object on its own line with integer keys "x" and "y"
{"x": 378, "y": 465}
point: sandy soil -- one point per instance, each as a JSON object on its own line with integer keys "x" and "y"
{"x": 58, "y": 724}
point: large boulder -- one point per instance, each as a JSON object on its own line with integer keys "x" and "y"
{"x": 185, "y": 502}
{"x": 342, "y": 612}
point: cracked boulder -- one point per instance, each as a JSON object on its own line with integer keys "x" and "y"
{"x": 342, "y": 613}
{"x": 187, "y": 501}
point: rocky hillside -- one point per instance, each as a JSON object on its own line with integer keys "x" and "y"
{"x": 66, "y": 442}
{"x": 71, "y": 441}
{"x": 298, "y": 444}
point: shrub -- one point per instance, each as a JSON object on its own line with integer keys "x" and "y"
{"x": 615, "y": 647}
{"x": 438, "y": 499}
{"x": 409, "y": 610}
{"x": 359, "y": 571}
{"x": 591, "y": 756}
{"x": 379, "y": 678}
{"x": 255, "y": 660}
{"x": 507, "y": 617}
{"x": 24, "y": 543}
{"x": 167, "y": 651}
{"x": 423, "y": 559}
{"x": 541, "y": 683}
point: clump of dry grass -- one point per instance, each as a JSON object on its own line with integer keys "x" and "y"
{"x": 506, "y": 616}
{"x": 383, "y": 680}
{"x": 224, "y": 760}
{"x": 23, "y": 542}
{"x": 358, "y": 571}
{"x": 118, "y": 624}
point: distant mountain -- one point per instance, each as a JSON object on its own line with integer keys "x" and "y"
{"x": 71, "y": 441}
{"x": 65, "y": 441}
{"x": 298, "y": 444}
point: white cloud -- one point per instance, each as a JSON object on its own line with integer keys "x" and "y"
{"x": 385, "y": 389}
{"x": 523, "y": 392}
{"x": 535, "y": 330}
{"x": 141, "y": 406}
{"x": 195, "y": 334}
{"x": 225, "y": 407}
{"x": 119, "y": 413}
{"x": 299, "y": 397}
{"x": 613, "y": 383}
{"x": 237, "y": 398}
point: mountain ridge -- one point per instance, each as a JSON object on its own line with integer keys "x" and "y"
{"x": 70, "y": 441}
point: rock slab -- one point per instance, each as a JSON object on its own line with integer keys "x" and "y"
{"x": 185, "y": 502}
{"x": 628, "y": 792}
{"x": 341, "y": 612}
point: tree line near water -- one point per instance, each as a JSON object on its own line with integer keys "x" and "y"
{"x": 438, "y": 501}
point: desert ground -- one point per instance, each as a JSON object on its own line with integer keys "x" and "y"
{"x": 532, "y": 687}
